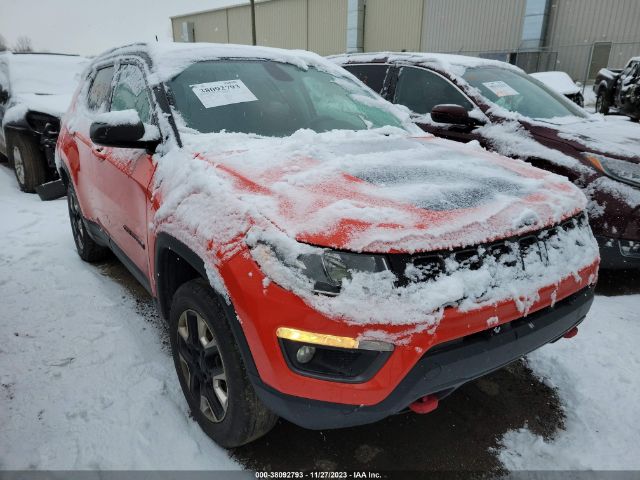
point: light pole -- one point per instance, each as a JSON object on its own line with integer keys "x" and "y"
{"x": 253, "y": 22}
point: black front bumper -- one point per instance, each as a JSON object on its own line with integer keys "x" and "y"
{"x": 442, "y": 369}
{"x": 611, "y": 257}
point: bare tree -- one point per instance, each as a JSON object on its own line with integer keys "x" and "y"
{"x": 3, "y": 44}
{"x": 23, "y": 45}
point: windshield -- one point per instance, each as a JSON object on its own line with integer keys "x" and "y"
{"x": 45, "y": 74}
{"x": 273, "y": 99}
{"x": 520, "y": 93}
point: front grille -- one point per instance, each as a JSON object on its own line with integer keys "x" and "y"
{"x": 535, "y": 321}
{"x": 512, "y": 252}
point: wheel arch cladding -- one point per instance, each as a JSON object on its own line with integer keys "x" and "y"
{"x": 176, "y": 264}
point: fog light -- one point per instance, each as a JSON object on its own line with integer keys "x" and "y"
{"x": 305, "y": 354}
{"x": 332, "y": 357}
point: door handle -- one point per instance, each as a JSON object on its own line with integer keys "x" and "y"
{"x": 100, "y": 153}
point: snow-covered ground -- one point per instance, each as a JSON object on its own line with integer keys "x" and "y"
{"x": 86, "y": 381}
{"x": 597, "y": 375}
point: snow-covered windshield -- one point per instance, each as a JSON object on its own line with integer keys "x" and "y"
{"x": 520, "y": 93}
{"x": 45, "y": 73}
{"x": 273, "y": 99}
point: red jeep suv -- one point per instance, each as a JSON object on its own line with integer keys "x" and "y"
{"x": 317, "y": 256}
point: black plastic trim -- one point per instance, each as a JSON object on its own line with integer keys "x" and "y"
{"x": 378, "y": 360}
{"x": 165, "y": 242}
{"x": 131, "y": 266}
{"x": 441, "y": 370}
{"x": 101, "y": 237}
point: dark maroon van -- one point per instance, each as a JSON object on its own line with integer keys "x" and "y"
{"x": 504, "y": 109}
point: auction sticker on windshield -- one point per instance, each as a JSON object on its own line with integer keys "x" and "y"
{"x": 226, "y": 92}
{"x": 501, "y": 89}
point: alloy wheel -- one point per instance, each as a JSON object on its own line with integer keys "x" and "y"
{"x": 18, "y": 164}
{"x": 202, "y": 366}
{"x": 77, "y": 224}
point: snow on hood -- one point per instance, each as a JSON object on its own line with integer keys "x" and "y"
{"x": 617, "y": 136}
{"x": 375, "y": 191}
{"x": 595, "y": 133}
{"x": 561, "y": 82}
{"x": 382, "y": 190}
{"x": 55, "y": 105}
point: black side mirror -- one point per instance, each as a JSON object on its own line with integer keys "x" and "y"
{"x": 122, "y": 130}
{"x": 454, "y": 115}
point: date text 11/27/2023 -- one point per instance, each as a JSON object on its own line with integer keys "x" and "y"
{"x": 320, "y": 475}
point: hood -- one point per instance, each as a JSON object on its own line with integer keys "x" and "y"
{"x": 383, "y": 191}
{"x": 55, "y": 105}
{"x": 615, "y": 136}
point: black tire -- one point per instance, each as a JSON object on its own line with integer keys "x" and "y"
{"x": 214, "y": 371}
{"x": 86, "y": 246}
{"x": 27, "y": 160}
{"x": 602, "y": 103}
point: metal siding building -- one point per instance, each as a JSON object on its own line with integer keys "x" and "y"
{"x": 577, "y": 36}
{"x": 326, "y": 26}
{"x": 473, "y": 27}
{"x": 393, "y": 25}
{"x": 576, "y": 25}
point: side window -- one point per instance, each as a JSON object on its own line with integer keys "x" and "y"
{"x": 420, "y": 90}
{"x": 131, "y": 93}
{"x": 98, "y": 96}
{"x": 371, "y": 75}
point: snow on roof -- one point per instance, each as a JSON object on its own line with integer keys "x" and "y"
{"x": 170, "y": 58}
{"x": 456, "y": 64}
{"x": 41, "y": 73}
{"x": 561, "y": 82}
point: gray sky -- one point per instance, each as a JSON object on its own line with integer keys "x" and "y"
{"x": 89, "y": 27}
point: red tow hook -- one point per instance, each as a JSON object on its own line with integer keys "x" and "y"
{"x": 571, "y": 333}
{"x": 425, "y": 404}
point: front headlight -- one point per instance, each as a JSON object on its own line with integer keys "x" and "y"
{"x": 621, "y": 170}
{"x": 322, "y": 270}
{"x": 328, "y": 269}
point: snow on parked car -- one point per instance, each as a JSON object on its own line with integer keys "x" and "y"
{"x": 317, "y": 256}
{"x": 498, "y": 105}
{"x": 35, "y": 91}
{"x": 562, "y": 83}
